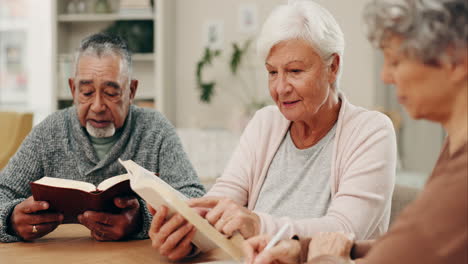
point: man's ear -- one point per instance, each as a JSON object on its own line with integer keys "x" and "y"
{"x": 71, "y": 84}
{"x": 133, "y": 88}
{"x": 333, "y": 68}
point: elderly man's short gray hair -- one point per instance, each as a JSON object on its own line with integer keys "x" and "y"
{"x": 304, "y": 20}
{"x": 428, "y": 27}
{"x": 106, "y": 44}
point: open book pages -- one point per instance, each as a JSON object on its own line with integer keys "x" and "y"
{"x": 71, "y": 197}
{"x": 81, "y": 185}
{"x": 107, "y": 183}
{"x": 156, "y": 192}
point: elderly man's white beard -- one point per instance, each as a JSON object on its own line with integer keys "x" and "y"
{"x": 104, "y": 132}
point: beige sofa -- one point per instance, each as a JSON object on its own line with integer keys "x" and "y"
{"x": 14, "y": 127}
{"x": 402, "y": 196}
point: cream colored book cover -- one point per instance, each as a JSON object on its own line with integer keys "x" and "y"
{"x": 157, "y": 192}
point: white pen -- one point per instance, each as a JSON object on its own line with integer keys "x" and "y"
{"x": 277, "y": 237}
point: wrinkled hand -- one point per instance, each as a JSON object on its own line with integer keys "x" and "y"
{"x": 30, "y": 213}
{"x": 286, "y": 251}
{"x": 228, "y": 216}
{"x": 171, "y": 237}
{"x": 107, "y": 226}
{"x": 331, "y": 243}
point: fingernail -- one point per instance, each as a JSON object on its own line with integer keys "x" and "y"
{"x": 45, "y": 205}
{"x": 86, "y": 214}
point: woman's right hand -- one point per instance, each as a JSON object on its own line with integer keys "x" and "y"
{"x": 285, "y": 252}
{"x": 171, "y": 237}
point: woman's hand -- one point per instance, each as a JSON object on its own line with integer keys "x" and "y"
{"x": 331, "y": 243}
{"x": 228, "y": 216}
{"x": 171, "y": 237}
{"x": 285, "y": 252}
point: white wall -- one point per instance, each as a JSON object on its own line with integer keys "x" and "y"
{"x": 41, "y": 95}
{"x": 36, "y": 25}
{"x": 225, "y": 110}
{"x": 359, "y": 77}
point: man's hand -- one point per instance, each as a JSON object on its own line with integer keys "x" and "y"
{"x": 107, "y": 226}
{"x": 228, "y": 216}
{"x": 29, "y": 221}
{"x": 285, "y": 252}
{"x": 171, "y": 237}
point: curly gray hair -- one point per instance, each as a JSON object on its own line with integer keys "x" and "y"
{"x": 428, "y": 27}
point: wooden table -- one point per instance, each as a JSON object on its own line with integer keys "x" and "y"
{"x": 72, "y": 243}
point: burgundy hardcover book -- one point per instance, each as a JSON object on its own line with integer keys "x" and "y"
{"x": 72, "y": 198}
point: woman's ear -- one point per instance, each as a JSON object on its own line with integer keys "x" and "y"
{"x": 333, "y": 68}
{"x": 459, "y": 70}
{"x": 457, "y": 66}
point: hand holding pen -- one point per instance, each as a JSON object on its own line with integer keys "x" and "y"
{"x": 262, "y": 250}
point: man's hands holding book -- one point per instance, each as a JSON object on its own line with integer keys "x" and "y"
{"x": 30, "y": 220}
{"x": 113, "y": 226}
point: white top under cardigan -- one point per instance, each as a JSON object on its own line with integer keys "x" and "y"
{"x": 304, "y": 176}
{"x": 362, "y": 172}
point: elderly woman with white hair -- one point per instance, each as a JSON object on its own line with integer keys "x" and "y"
{"x": 314, "y": 160}
{"x": 424, "y": 43}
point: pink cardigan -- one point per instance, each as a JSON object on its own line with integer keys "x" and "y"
{"x": 362, "y": 175}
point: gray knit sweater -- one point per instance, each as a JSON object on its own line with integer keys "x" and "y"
{"x": 59, "y": 147}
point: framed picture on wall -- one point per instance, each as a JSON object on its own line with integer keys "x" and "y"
{"x": 248, "y": 18}
{"x": 213, "y": 34}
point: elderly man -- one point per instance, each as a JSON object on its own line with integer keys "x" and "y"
{"x": 84, "y": 143}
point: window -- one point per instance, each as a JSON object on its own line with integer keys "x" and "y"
{"x": 26, "y": 57}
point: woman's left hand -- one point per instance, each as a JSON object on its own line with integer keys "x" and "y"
{"x": 336, "y": 244}
{"x": 228, "y": 216}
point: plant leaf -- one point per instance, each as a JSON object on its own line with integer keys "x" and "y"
{"x": 206, "y": 89}
{"x": 235, "y": 58}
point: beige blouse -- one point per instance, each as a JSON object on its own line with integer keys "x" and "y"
{"x": 434, "y": 228}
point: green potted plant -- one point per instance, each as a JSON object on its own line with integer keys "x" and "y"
{"x": 237, "y": 59}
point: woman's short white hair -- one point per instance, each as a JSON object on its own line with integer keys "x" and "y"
{"x": 304, "y": 20}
